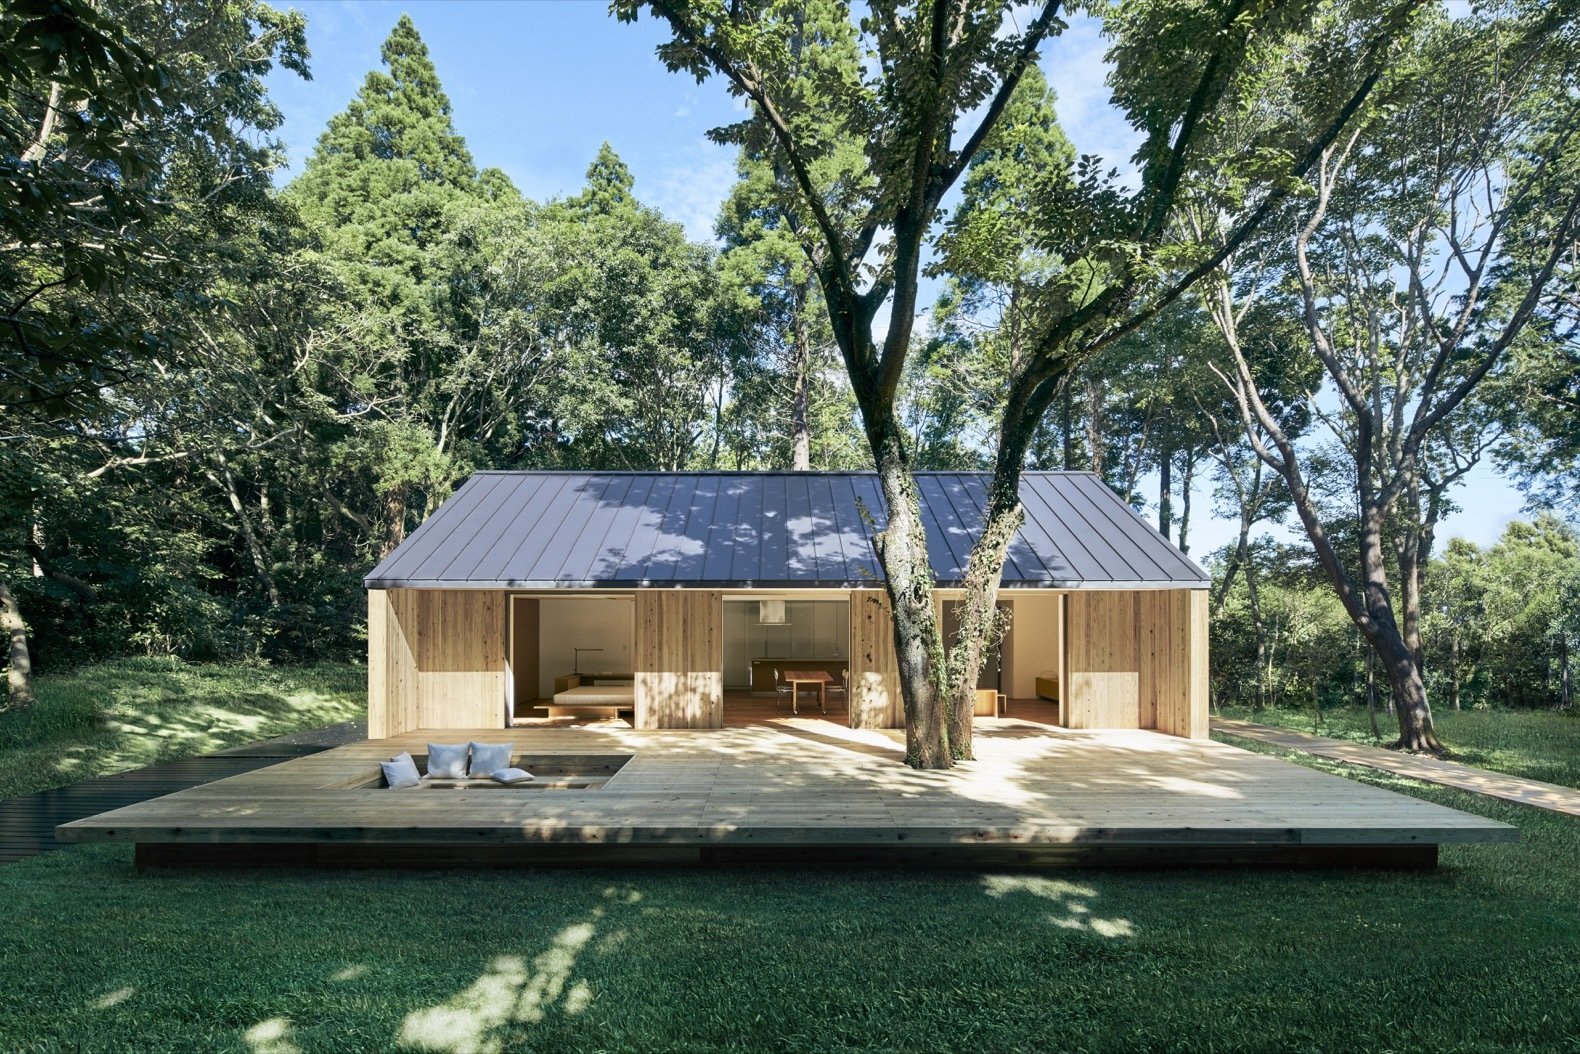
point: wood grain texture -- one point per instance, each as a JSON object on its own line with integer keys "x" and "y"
{"x": 1105, "y": 666}
{"x": 679, "y": 658}
{"x": 1138, "y": 659}
{"x": 436, "y": 659}
{"x": 803, "y": 783}
{"x": 875, "y": 700}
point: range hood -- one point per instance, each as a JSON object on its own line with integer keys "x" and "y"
{"x": 771, "y": 613}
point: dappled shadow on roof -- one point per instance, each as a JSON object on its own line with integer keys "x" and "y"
{"x": 585, "y": 529}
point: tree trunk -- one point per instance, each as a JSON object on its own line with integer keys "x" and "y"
{"x": 1414, "y": 713}
{"x": 902, "y": 550}
{"x": 1416, "y": 732}
{"x": 19, "y": 677}
{"x": 1067, "y": 422}
{"x": 394, "y": 520}
{"x": 1565, "y": 687}
{"x": 260, "y": 559}
{"x": 1453, "y": 669}
{"x": 1371, "y": 686}
{"x": 1258, "y": 627}
{"x": 1187, "y": 477}
{"x": 1094, "y": 424}
{"x": 40, "y": 145}
{"x": 980, "y": 622}
{"x": 801, "y": 392}
{"x": 1165, "y": 491}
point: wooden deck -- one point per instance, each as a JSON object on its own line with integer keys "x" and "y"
{"x": 801, "y": 791}
{"x": 1517, "y": 789}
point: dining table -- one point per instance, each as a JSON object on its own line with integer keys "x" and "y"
{"x": 796, "y": 678}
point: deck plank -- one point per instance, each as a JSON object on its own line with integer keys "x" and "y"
{"x": 807, "y": 783}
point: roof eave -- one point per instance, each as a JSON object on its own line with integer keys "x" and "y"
{"x": 1061, "y": 586}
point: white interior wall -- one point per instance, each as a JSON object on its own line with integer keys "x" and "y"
{"x": 1034, "y": 641}
{"x": 817, "y": 629}
{"x": 567, "y": 623}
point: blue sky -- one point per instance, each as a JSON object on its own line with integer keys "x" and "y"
{"x": 537, "y": 87}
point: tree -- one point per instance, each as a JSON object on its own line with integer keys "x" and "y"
{"x": 931, "y": 66}
{"x": 135, "y": 137}
{"x": 765, "y": 262}
{"x": 1421, "y": 256}
{"x": 652, "y": 332}
{"x": 381, "y": 193}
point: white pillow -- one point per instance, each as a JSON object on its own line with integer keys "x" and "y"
{"x": 400, "y": 771}
{"x": 488, "y": 758}
{"x": 512, "y": 776}
{"x": 447, "y": 761}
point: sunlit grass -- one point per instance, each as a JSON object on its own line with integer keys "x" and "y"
{"x": 1536, "y": 744}
{"x": 1480, "y": 955}
{"x": 122, "y": 715}
{"x": 1486, "y": 949}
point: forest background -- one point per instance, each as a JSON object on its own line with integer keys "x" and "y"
{"x": 225, "y": 393}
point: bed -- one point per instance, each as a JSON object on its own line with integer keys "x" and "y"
{"x": 592, "y": 700}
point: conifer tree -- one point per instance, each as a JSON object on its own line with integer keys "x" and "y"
{"x": 384, "y": 193}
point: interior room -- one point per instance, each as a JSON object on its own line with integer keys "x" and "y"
{"x": 1033, "y": 656}
{"x": 792, "y": 634}
{"x": 558, "y": 642}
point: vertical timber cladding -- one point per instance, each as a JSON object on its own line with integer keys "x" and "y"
{"x": 679, "y": 658}
{"x": 392, "y": 662}
{"x": 875, "y": 700}
{"x": 1137, "y": 659}
{"x": 436, "y": 659}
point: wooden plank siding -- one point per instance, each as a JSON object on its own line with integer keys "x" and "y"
{"x": 1130, "y": 658}
{"x": 679, "y": 658}
{"x": 875, "y": 700}
{"x": 436, "y": 659}
{"x": 1138, "y": 659}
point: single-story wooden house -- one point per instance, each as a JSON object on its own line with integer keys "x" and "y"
{"x": 657, "y": 591}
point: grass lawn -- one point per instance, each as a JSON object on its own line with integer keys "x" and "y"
{"x": 1537, "y": 744}
{"x": 1482, "y": 954}
{"x": 126, "y": 714}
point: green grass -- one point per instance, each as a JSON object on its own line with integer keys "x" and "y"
{"x": 126, "y": 714}
{"x": 1536, "y": 744}
{"x": 1483, "y": 954}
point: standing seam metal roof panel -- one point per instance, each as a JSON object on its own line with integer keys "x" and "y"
{"x": 545, "y": 530}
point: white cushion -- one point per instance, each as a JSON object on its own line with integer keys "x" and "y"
{"x": 400, "y": 771}
{"x": 488, "y": 758}
{"x": 512, "y": 775}
{"x": 447, "y": 761}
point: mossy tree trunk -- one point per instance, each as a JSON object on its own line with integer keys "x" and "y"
{"x": 19, "y": 675}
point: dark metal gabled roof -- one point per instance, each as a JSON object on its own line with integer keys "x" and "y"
{"x": 731, "y": 530}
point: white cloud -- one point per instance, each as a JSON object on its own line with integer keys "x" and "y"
{"x": 690, "y": 188}
{"x": 1078, "y": 72}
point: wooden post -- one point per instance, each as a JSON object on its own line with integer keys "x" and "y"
{"x": 875, "y": 700}
{"x": 679, "y": 658}
{"x": 436, "y": 659}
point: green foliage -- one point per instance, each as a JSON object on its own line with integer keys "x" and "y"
{"x": 1499, "y": 624}
{"x": 113, "y": 716}
{"x": 310, "y": 372}
{"x": 127, "y": 130}
{"x": 1498, "y": 629}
